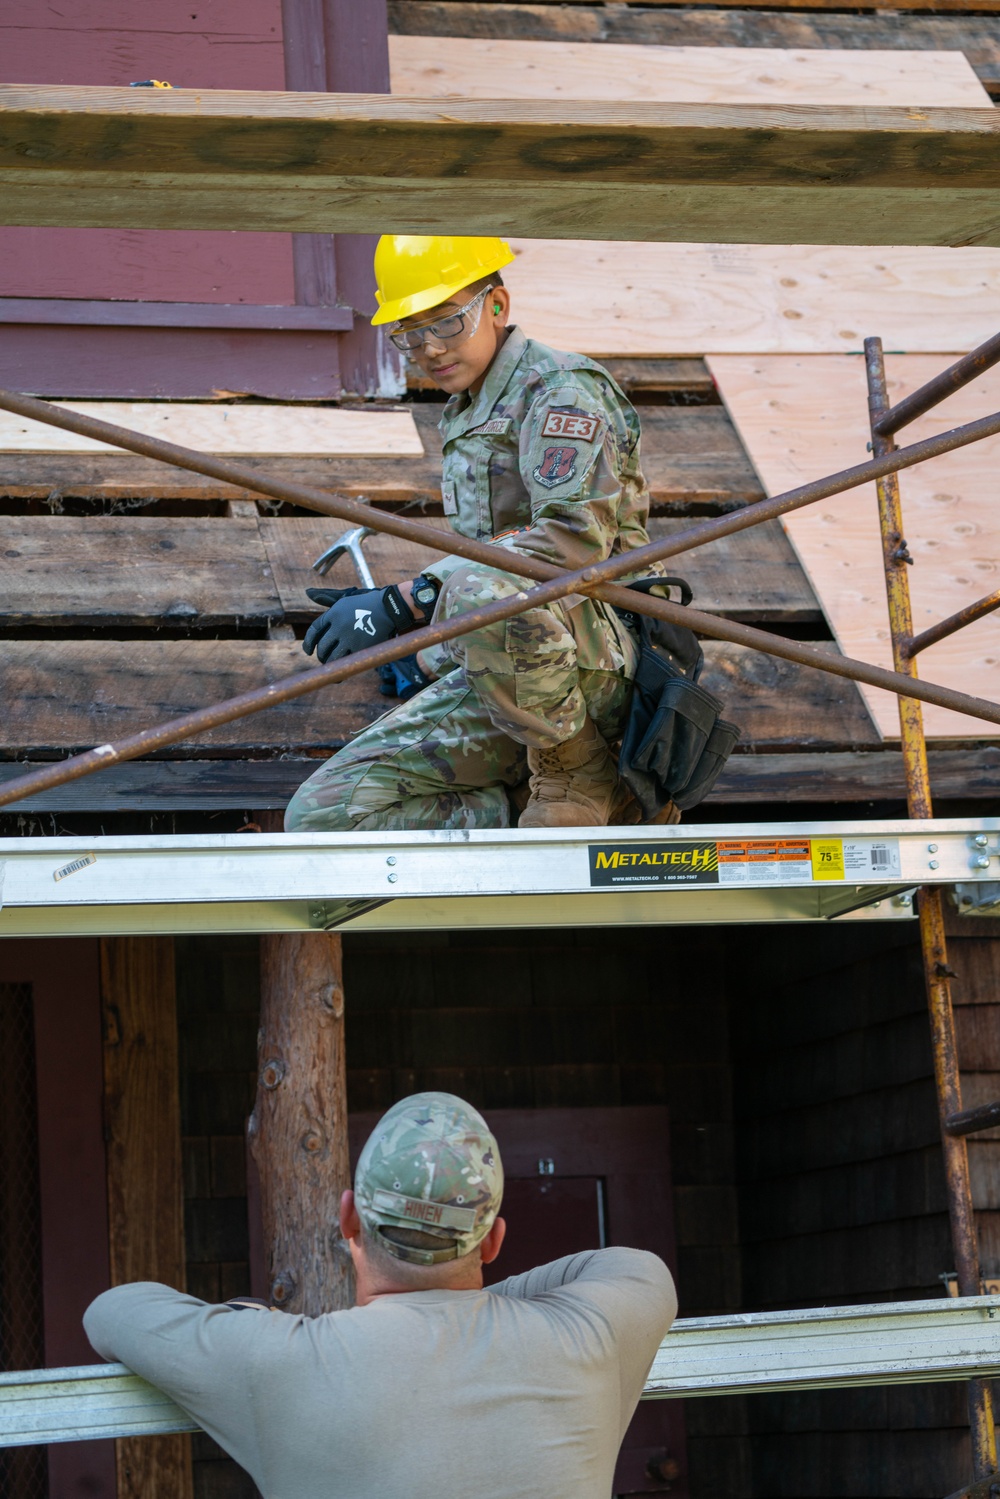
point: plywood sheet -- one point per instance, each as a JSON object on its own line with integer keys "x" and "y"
{"x": 295, "y": 430}
{"x": 473, "y": 68}
{"x": 627, "y": 298}
{"x": 618, "y": 298}
{"x": 805, "y": 417}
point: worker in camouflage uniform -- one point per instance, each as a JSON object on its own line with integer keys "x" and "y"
{"x": 541, "y": 454}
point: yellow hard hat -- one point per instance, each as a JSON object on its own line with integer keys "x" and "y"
{"x": 417, "y": 271}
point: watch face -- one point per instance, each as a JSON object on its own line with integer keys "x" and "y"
{"x": 425, "y": 595}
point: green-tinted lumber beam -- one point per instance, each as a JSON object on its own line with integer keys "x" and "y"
{"x": 186, "y": 159}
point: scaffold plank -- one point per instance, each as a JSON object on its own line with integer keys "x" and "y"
{"x": 509, "y": 877}
{"x": 916, "y": 1342}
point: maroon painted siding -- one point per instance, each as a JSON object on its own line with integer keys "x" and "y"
{"x": 219, "y": 44}
{"x": 190, "y": 43}
{"x": 161, "y": 265}
{"x": 168, "y": 362}
{"x": 235, "y": 44}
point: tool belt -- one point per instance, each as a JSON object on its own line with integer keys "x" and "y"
{"x": 675, "y": 743}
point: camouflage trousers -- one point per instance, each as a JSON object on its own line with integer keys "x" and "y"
{"x": 447, "y": 756}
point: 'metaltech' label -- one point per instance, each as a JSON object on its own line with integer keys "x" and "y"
{"x": 654, "y": 864}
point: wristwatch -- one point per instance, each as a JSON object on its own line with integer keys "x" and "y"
{"x": 425, "y": 592}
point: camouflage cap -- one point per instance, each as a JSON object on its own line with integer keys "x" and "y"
{"x": 431, "y": 1164}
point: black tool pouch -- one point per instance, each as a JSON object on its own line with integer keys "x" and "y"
{"x": 675, "y": 744}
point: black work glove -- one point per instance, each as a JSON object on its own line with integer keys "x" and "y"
{"x": 402, "y": 678}
{"x": 355, "y": 618}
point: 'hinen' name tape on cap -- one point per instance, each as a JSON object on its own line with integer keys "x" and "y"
{"x": 436, "y": 1214}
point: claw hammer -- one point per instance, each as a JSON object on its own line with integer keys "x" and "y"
{"x": 351, "y": 542}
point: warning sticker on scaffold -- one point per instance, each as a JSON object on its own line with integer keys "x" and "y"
{"x": 744, "y": 861}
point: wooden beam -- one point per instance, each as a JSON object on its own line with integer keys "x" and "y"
{"x": 298, "y": 1130}
{"x": 143, "y": 1133}
{"x": 369, "y": 163}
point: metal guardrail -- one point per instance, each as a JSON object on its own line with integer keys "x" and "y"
{"x": 916, "y": 1342}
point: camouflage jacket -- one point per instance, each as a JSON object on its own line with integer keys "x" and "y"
{"x": 544, "y": 459}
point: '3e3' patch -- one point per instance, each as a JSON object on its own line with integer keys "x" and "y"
{"x": 558, "y": 466}
{"x": 571, "y": 424}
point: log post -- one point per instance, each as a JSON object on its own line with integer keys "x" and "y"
{"x": 298, "y": 1129}
{"x": 143, "y": 1136}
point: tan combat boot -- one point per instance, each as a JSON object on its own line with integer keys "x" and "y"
{"x": 573, "y": 785}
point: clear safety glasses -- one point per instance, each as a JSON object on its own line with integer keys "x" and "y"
{"x": 455, "y": 328}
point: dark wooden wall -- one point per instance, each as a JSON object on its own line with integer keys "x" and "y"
{"x": 841, "y": 1186}
{"x": 795, "y": 1064}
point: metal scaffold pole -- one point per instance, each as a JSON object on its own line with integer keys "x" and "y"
{"x": 896, "y": 558}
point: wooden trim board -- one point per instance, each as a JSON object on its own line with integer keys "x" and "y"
{"x": 478, "y": 68}
{"x": 79, "y": 312}
{"x": 800, "y": 418}
{"x": 301, "y": 431}
{"x": 162, "y": 158}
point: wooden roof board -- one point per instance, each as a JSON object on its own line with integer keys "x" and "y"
{"x": 135, "y": 572}
{"x": 691, "y": 457}
{"x": 371, "y": 163}
{"x": 787, "y": 777}
{"x": 71, "y": 694}
{"x": 804, "y": 417}
{"x": 751, "y": 575}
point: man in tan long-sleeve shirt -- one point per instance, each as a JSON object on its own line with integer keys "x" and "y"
{"x": 430, "y": 1384}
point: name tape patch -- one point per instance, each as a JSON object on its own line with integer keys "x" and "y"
{"x": 497, "y": 426}
{"x": 571, "y": 424}
{"x": 437, "y": 1214}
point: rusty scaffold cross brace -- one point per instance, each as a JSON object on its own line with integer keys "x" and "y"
{"x": 554, "y": 583}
